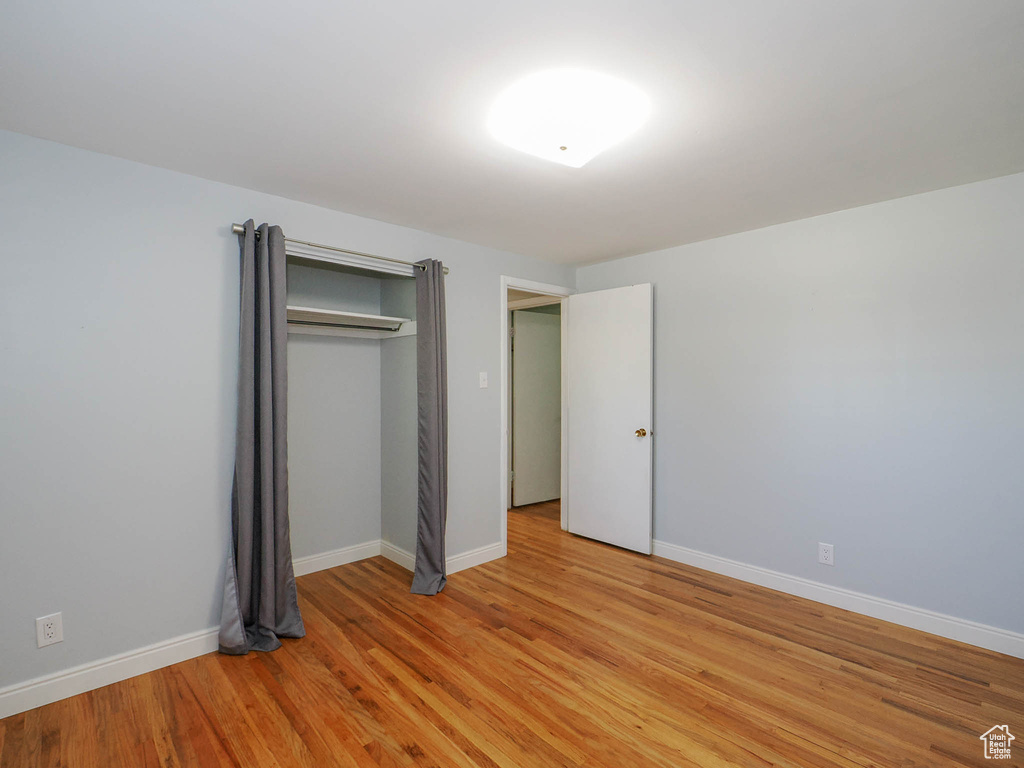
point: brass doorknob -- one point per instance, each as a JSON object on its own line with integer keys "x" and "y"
{"x": 641, "y": 432}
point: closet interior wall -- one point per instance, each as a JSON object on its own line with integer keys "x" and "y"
{"x": 399, "y": 458}
{"x": 347, "y": 398}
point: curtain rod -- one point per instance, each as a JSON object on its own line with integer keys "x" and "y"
{"x": 239, "y": 229}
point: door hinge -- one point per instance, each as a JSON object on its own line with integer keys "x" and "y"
{"x": 512, "y": 332}
{"x": 512, "y": 476}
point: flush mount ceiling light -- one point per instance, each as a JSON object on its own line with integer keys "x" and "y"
{"x": 567, "y": 115}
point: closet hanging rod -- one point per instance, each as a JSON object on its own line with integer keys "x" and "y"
{"x": 239, "y": 229}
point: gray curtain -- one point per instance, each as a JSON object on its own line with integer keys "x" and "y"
{"x": 432, "y": 411}
{"x": 260, "y": 603}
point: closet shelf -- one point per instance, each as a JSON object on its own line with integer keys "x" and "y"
{"x": 334, "y": 317}
{"x": 315, "y": 320}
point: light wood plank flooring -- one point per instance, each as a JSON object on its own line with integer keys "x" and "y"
{"x": 565, "y": 653}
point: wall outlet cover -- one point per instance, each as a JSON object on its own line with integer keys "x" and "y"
{"x": 49, "y": 630}
{"x": 826, "y": 553}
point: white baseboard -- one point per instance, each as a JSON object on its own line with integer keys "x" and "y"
{"x": 474, "y": 557}
{"x": 30, "y": 694}
{"x": 398, "y": 555}
{"x": 973, "y": 633}
{"x": 453, "y": 564}
{"x": 343, "y": 556}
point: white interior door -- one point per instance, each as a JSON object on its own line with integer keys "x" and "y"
{"x": 536, "y": 406}
{"x": 609, "y": 367}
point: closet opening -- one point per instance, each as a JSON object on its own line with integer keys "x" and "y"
{"x": 352, "y": 424}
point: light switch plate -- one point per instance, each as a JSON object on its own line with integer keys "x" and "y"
{"x": 483, "y": 379}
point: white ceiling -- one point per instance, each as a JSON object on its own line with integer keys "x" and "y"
{"x": 763, "y": 111}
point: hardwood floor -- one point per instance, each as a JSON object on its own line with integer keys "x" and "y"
{"x": 565, "y": 653}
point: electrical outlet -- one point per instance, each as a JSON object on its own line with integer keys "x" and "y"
{"x": 49, "y": 630}
{"x": 826, "y": 554}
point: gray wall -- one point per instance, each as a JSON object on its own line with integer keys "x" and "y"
{"x": 334, "y": 418}
{"x": 475, "y": 497}
{"x": 118, "y": 341}
{"x": 857, "y": 379}
{"x": 332, "y": 287}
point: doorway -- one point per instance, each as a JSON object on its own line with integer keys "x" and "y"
{"x": 534, "y": 399}
{"x": 606, "y": 373}
{"x": 533, "y": 312}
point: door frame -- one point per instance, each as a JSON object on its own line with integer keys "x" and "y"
{"x": 562, "y": 293}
